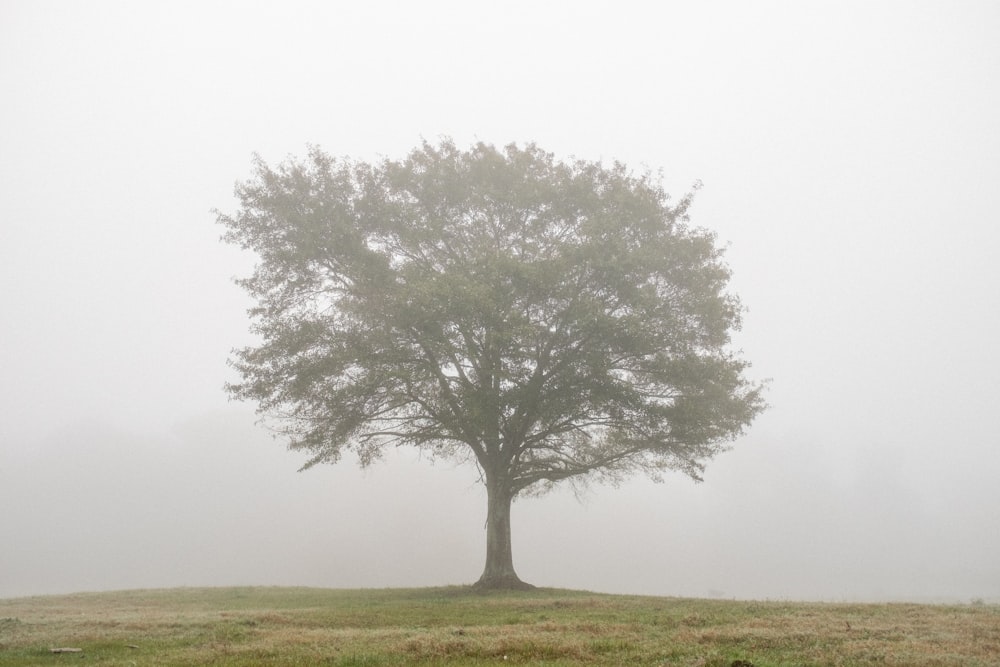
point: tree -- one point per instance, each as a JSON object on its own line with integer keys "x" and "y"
{"x": 545, "y": 320}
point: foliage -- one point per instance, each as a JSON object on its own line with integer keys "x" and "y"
{"x": 499, "y": 304}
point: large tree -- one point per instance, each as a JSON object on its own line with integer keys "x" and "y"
{"x": 546, "y": 320}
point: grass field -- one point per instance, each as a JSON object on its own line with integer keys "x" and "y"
{"x": 303, "y": 626}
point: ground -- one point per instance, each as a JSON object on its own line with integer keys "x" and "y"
{"x": 458, "y": 626}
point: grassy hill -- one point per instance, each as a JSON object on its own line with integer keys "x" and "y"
{"x": 304, "y": 626}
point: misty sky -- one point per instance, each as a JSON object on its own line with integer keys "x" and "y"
{"x": 850, "y": 155}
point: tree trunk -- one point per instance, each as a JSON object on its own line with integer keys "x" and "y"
{"x": 499, "y": 572}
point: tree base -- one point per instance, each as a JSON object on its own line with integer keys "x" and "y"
{"x": 503, "y": 582}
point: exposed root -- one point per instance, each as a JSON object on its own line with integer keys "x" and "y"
{"x": 508, "y": 582}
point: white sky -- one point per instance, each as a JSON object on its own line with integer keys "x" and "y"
{"x": 850, "y": 154}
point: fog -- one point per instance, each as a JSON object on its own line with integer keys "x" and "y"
{"x": 850, "y": 156}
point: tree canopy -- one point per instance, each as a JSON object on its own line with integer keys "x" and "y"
{"x": 546, "y": 320}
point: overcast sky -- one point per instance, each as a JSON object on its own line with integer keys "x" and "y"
{"x": 850, "y": 155}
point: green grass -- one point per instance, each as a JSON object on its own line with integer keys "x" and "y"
{"x": 304, "y": 626}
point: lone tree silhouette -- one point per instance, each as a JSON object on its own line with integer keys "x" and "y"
{"x": 546, "y": 320}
